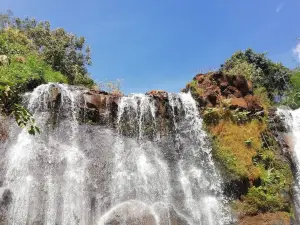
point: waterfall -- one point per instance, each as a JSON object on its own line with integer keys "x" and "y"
{"x": 292, "y": 120}
{"x": 144, "y": 168}
{"x": 46, "y": 173}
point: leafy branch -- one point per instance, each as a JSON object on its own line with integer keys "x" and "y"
{"x": 23, "y": 117}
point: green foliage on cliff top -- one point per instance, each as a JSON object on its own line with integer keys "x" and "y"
{"x": 53, "y": 49}
{"x": 31, "y": 53}
{"x": 274, "y": 77}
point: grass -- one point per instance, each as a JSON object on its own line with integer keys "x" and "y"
{"x": 249, "y": 151}
{"x": 231, "y": 149}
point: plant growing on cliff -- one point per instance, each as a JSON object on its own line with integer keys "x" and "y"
{"x": 292, "y": 98}
{"x": 23, "y": 117}
{"x": 211, "y": 116}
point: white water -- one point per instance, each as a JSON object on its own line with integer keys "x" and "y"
{"x": 292, "y": 118}
{"x": 41, "y": 189}
{"x": 135, "y": 174}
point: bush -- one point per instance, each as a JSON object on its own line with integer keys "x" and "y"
{"x": 211, "y": 116}
{"x": 274, "y": 77}
{"x": 261, "y": 95}
{"x": 293, "y": 95}
{"x": 29, "y": 74}
{"x": 243, "y": 68}
{"x": 273, "y": 194}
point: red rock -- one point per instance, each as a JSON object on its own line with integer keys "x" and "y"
{"x": 238, "y": 103}
{"x": 279, "y": 218}
{"x": 99, "y": 100}
{"x": 158, "y": 94}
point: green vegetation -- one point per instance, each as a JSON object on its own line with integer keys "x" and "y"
{"x": 272, "y": 195}
{"x": 31, "y": 53}
{"x": 274, "y": 77}
{"x": 243, "y": 146}
{"x": 293, "y": 95}
{"x": 8, "y": 106}
{"x": 195, "y": 88}
{"x": 236, "y": 156}
{"x": 64, "y": 52}
{"x": 247, "y": 151}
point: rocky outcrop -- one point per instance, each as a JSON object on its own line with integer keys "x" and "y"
{"x": 100, "y": 106}
{"x": 243, "y": 139}
{"x": 279, "y": 218}
{"x": 158, "y": 94}
{"x": 213, "y": 89}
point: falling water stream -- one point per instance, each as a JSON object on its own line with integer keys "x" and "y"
{"x": 292, "y": 119}
{"x": 129, "y": 173}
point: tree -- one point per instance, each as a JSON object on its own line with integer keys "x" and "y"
{"x": 274, "y": 77}
{"x": 64, "y": 51}
{"x": 31, "y": 54}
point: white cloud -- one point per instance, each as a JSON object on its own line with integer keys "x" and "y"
{"x": 296, "y": 51}
{"x": 280, "y": 7}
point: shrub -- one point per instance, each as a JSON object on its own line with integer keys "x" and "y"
{"x": 273, "y": 194}
{"x": 211, "y": 116}
{"x": 293, "y": 95}
{"x": 29, "y": 74}
{"x": 274, "y": 77}
{"x": 243, "y": 68}
{"x": 261, "y": 95}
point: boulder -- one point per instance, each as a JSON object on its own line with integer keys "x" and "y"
{"x": 55, "y": 93}
{"x": 159, "y": 94}
{"x": 213, "y": 88}
{"x": 100, "y": 106}
{"x": 4, "y": 60}
{"x": 242, "y": 85}
{"x": 238, "y": 103}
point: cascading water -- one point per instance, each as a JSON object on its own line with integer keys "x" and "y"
{"x": 46, "y": 173}
{"x": 292, "y": 119}
{"x": 146, "y": 170}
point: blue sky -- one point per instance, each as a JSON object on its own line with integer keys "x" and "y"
{"x": 162, "y": 44}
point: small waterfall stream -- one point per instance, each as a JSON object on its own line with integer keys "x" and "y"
{"x": 292, "y": 120}
{"x": 134, "y": 172}
{"x": 46, "y": 174}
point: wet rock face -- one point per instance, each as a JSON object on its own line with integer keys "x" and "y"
{"x": 3, "y": 130}
{"x": 5, "y": 202}
{"x": 100, "y": 106}
{"x": 6, "y": 198}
